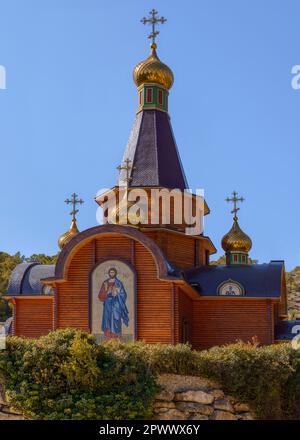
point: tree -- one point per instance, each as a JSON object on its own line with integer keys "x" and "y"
{"x": 220, "y": 260}
{"x": 42, "y": 258}
{"x": 7, "y": 264}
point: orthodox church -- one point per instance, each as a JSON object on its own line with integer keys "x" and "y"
{"x": 145, "y": 280}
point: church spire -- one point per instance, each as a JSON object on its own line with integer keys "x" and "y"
{"x": 151, "y": 148}
{"x": 73, "y": 230}
{"x": 236, "y": 243}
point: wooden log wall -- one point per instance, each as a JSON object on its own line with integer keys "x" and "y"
{"x": 217, "y": 321}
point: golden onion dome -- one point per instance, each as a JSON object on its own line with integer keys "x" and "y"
{"x": 236, "y": 240}
{"x": 67, "y": 236}
{"x": 122, "y": 214}
{"x": 152, "y": 70}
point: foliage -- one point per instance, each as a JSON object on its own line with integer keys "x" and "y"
{"x": 42, "y": 258}
{"x": 267, "y": 378}
{"x": 7, "y": 264}
{"x": 220, "y": 260}
{"x": 66, "y": 375}
{"x": 255, "y": 375}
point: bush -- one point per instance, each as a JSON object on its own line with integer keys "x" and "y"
{"x": 66, "y": 375}
{"x": 254, "y": 375}
{"x": 267, "y": 378}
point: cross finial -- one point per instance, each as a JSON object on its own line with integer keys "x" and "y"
{"x": 235, "y": 199}
{"x": 126, "y": 167}
{"x": 153, "y": 20}
{"x": 74, "y": 201}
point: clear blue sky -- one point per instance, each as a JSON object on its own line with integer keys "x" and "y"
{"x": 70, "y": 102}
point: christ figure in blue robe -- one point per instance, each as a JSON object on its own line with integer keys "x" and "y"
{"x": 115, "y": 312}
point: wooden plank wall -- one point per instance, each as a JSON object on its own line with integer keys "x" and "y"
{"x": 217, "y": 322}
{"x": 33, "y": 317}
{"x": 183, "y": 310}
{"x": 154, "y": 300}
{"x": 153, "y": 297}
{"x": 179, "y": 249}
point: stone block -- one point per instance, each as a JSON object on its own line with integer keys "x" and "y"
{"x": 195, "y": 396}
{"x": 198, "y": 417}
{"x": 245, "y": 416}
{"x": 224, "y": 415}
{"x": 223, "y": 405}
{"x": 171, "y": 414}
{"x": 241, "y": 407}
{"x": 164, "y": 404}
{"x": 217, "y": 393}
{"x": 193, "y": 407}
{"x": 10, "y": 417}
{"x": 165, "y": 395}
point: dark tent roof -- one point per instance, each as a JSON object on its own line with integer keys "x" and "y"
{"x": 26, "y": 278}
{"x": 258, "y": 280}
{"x": 153, "y": 152}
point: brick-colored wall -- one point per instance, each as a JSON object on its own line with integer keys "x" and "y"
{"x": 218, "y": 321}
{"x": 183, "y": 311}
{"x": 182, "y": 251}
{"x": 34, "y": 317}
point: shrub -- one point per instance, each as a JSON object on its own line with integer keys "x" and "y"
{"x": 267, "y": 378}
{"x": 255, "y": 375}
{"x": 66, "y": 375}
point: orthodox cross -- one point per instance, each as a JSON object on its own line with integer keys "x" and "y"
{"x": 235, "y": 199}
{"x": 74, "y": 201}
{"x": 127, "y": 167}
{"x": 153, "y": 20}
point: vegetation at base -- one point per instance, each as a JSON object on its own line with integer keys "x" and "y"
{"x": 66, "y": 375}
{"x": 7, "y": 264}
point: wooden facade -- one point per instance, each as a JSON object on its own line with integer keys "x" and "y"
{"x": 169, "y": 310}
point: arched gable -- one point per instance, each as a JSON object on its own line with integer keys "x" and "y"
{"x": 88, "y": 235}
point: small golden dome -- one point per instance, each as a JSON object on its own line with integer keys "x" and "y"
{"x": 152, "y": 70}
{"x": 121, "y": 213}
{"x": 236, "y": 240}
{"x": 67, "y": 236}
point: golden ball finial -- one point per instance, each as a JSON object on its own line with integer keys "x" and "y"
{"x": 152, "y": 70}
{"x": 236, "y": 240}
{"x": 67, "y": 236}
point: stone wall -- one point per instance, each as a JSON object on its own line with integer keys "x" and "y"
{"x": 6, "y": 411}
{"x": 194, "y": 398}
{"x": 180, "y": 398}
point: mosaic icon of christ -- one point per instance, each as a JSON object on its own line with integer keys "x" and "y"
{"x": 113, "y": 295}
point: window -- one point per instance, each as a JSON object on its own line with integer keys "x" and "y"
{"x": 160, "y": 97}
{"x": 149, "y": 95}
{"x": 235, "y": 258}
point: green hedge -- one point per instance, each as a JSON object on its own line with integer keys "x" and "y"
{"x": 66, "y": 375}
{"x": 267, "y": 377}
